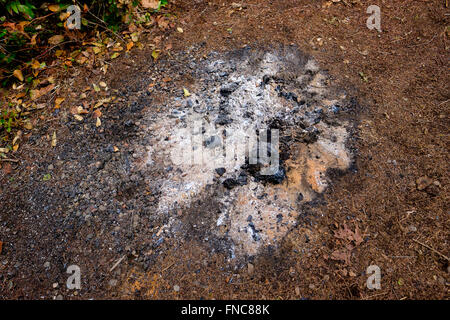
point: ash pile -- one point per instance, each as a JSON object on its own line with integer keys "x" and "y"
{"x": 255, "y": 134}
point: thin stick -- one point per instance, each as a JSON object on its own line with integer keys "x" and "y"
{"x": 166, "y": 268}
{"x": 117, "y": 263}
{"x": 375, "y": 295}
{"x": 9, "y": 160}
{"x": 434, "y": 250}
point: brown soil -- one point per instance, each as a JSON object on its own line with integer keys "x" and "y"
{"x": 400, "y": 79}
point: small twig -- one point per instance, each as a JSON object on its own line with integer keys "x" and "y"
{"x": 443, "y": 102}
{"x": 423, "y": 43}
{"x": 117, "y": 263}
{"x": 9, "y": 160}
{"x": 434, "y": 250}
{"x": 170, "y": 265}
{"x": 375, "y": 295}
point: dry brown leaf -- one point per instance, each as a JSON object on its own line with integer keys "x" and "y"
{"x": 150, "y": 4}
{"x": 97, "y": 113}
{"x": 39, "y": 93}
{"x": 56, "y": 39}
{"x": 341, "y": 255}
{"x": 346, "y": 234}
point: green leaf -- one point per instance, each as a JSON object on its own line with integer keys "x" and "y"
{"x": 14, "y": 7}
{"x": 47, "y": 177}
{"x": 26, "y": 10}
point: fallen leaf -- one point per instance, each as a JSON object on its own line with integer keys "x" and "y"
{"x": 17, "y": 137}
{"x": 97, "y": 113}
{"x": 115, "y": 55}
{"x": 56, "y": 39}
{"x": 47, "y": 177}
{"x": 78, "y": 117}
{"x": 98, "y": 123}
{"x": 58, "y": 102}
{"x": 53, "y": 7}
{"x": 342, "y": 255}
{"x": 64, "y": 15}
{"x": 180, "y": 30}
{"x": 102, "y": 84}
{"x": 18, "y": 74}
{"x": 96, "y": 87}
{"x": 130, "y": 45}
{"x": 186, "y": 92}
{"x": 155, "y": 54}
{"x": 34, "y": 94}
{"x": 346, "y": 234}
{"x": 80, "y": 110}
{"x": 115, "y": 149}
{"x": 54, "y": 139}
{"x": 150, "y": 4}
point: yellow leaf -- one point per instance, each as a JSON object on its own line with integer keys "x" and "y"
{"x": 186, "y": 92}
{"x": 180, "y": 30}
{"x": 130, "y": 45}
{"x": 33, "y": 40}
{"x": 28, "y": 126}
{"x": 115, "y": 149}
{"x": 102, "y": 84}
{"x": 98, "y": 123}
{"x": 4, "y": 150}
{"x": 114, "y": 55}
{"x": 15, "y": 147}
{"x": 35, "y": 65}
{"x": 78, "y": 117}
{"x": 155, "y": 54}
{"x": 53, "y": 7}
{"x": 64, "y": 15}
{"x": 18, "y": 74}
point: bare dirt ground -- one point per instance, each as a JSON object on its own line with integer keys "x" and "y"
{"x": 389, "y": 209}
